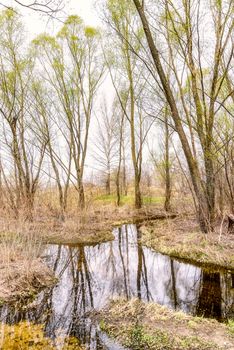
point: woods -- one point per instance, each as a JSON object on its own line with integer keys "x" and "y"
{"x": 168, "y": 73}
{"x": 117, "y": 174}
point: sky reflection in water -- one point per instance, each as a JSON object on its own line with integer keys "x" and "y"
{"x": 90, "y": 276}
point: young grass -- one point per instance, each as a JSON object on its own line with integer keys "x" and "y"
{"x": 112, "y": 199}
{"x": 139, "y": 326}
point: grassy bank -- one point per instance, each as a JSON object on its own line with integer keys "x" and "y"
{"x": 22, "y": 272}
{"x": 21, "y": 244}
{"x": 181, "y": 238}
{"x": 90, "y": 226}
{"x": 138, "y": 325}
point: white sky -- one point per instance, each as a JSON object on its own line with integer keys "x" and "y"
{"x": 36, "y": 24}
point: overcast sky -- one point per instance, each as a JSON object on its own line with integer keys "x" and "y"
{"x": 36, "y": 24}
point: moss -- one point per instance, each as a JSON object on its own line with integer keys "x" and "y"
{"x": 25, "y": 335}
{"x": 137, "y": 337}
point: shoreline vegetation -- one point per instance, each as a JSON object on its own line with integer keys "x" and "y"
{"x": 127, "y": 122}
{"x": 138, "y": 325}
{"x": 180, "y": 238}
{"x": 23, "y": 273}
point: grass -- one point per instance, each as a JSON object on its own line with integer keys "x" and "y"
{"x": 138, "y": 325}
{"x": 112, "y": 199}
{"x": 181, "y": 238}
{"x": 231, "y": 327}
{"x": 22, "y": 271}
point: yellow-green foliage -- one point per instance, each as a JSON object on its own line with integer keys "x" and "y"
{"x": 231, "y": 326}
{"x": 44, "y": 40}
{"x": 91, "y": 32}
{"x": 120, "y": 9}
{"x": 26, "y": 335}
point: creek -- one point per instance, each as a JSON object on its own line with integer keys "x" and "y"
{"x": 90, "y": 276}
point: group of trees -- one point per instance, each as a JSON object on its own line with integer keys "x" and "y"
{"x": 171, "y": 68}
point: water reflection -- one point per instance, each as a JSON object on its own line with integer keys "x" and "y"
{"x": 90, "y": 276}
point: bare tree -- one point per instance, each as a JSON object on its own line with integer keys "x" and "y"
{"x": 106, "y": 142}
{"x": 74, "y": 69}
{"x": 22, "y": 154}
{"x": 120, "y": 18}
{"x": 45, "y": 7}
{"x": 184, "y": 22}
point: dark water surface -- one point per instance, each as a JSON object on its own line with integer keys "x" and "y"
{"x": 89, "y": 276}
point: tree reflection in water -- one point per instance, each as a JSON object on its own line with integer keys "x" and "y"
{"x": 89, "y": 276}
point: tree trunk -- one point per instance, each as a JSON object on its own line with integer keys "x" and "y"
{"x": 81, "y": 195}
{"x": 167, "y": 203}
{"x": 29, "y": 206}
{"x": 118, "y": 190}
{"x": 108, "y": 189}
{"x": 203, "y": 210}
{"x": 210, "y": 189}
{"x": 138, "y": 201}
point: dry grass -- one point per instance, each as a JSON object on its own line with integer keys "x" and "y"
{"x": 22, "y": 271}
{"x": 93, "y": 225}
{"x": 21, "y": 242}
{"x": 182, "y": 238}
{"x": 141, "y": 325}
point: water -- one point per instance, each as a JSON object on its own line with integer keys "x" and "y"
{"x": 90, "y": 276}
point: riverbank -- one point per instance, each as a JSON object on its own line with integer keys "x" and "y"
{"x": 23, "y": 274}
{"x": 87, "y": 227}
{"x": 181, "y": 238}
{"x": 138, "y": 325}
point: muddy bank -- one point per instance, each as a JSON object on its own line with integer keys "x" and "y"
{"x": 138, "y": 325}
{"x": 181, "y": 238}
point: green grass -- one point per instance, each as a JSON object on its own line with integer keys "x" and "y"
{"x": 109, "y": 199}
{"x": 231, "y": 327}
{"x": 153, "y": 200}
{"x": 137, "y": 337}
{"x": 112, "y": 198}
{"x": 140, "y": 326}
